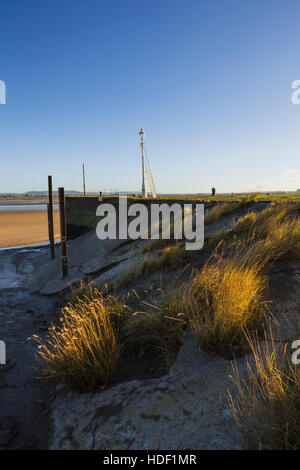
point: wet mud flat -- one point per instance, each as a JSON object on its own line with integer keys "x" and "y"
{"x": 23, "y": 398}
{"x": 20, "y": 227}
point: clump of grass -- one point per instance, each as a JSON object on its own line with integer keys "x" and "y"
{"x": 262, "y": 222}
{"x": 171, "y": 257}
{"x": 99, "y": 339}
{"x": 282, "y": 242}
{"x": 224, "y": 300}
{"x": 159, "y": 243}
{"x": 84, "y": 350}
{"x": 85, "y": 291}
{"x": 159, "y": 329}
{"x": 275, "y": 233}
{"x": 217, "y": 237}
{"x": 129, "y": 276}
{"x": 267, "y": 405}
{"x": 226, "y": 208}
{"x": 220, "y": 210}
{"x": 170, "y": 301}
{"x": 246, "y": 222}
{"x": 156, "y": 333}
{"x": 249, "y": 199}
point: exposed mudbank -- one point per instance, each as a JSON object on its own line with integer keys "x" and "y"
{"x": 185, "y": 408}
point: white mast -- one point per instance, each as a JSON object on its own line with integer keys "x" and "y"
{"x": 144, "y": 187}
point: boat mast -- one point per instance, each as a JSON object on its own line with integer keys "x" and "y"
{"x": 144, "y": 188}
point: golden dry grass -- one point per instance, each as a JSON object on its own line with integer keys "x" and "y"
{"x": 226, "y": 208}
{"x": 96, "y": 337}
{"x": 225, "y": 299}
{"x": 84, "y": 350}
{"x": 281, "y": 242}
{"x": 262, "y": 222}
{"x": 224, "y": 304}
{"x": 267, "y": 405}
{"x": 220, "y": 210}
{"x": 276, "y": 232}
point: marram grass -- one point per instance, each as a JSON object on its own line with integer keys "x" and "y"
{"x": 266, "y": 404}
{"x": 84, "y": 350}
{"x": 225, "y": 299}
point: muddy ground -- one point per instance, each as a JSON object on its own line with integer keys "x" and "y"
{"x": 23, "y": 399}
{"x": 27, "y": 274}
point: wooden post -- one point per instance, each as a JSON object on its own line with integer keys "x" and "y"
{"x": 50, "y": 217}
{"x": 63, "y": 231}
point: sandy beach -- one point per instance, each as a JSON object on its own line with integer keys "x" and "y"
{"x": 25, "y": 227}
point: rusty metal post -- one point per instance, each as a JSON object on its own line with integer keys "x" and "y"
{"x": 63, "y": 231}
{"x": 50, "y": 217}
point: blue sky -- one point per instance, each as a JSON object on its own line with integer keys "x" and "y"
{"x": 209, "y": 81}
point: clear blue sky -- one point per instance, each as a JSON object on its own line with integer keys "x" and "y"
{"x": 209, "y": 81}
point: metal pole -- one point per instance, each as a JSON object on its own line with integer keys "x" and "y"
{"x": 83, "y": 179}
{"x": 144, "y": 188}
{"x": 50, "y": 217}
{"x": 63, "y": 231}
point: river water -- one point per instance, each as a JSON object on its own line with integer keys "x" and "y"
{"x": 25, "y": 207}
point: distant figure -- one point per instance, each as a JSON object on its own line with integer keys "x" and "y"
{"x": 213, "y": 191}
{"x": 100, "y": 198}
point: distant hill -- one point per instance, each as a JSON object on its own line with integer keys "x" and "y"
{"x": 45, "y": 193}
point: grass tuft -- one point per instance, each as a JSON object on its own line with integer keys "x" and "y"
{"x": 220, "y": 210}
{"x": 155, "y": 333}
{"x": 84, "y": 350}
{"x": 226, "y": 208}
{"x": 276, "y": 231}
{"x": 267, "y": 405}
{"x": 100, "y": 341}
{"x": 224, "y": 300}
{"x": 171, "y": 257}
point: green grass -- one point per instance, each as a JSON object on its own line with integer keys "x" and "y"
{"x": 231, "y": 197}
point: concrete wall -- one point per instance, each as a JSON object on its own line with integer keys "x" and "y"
{"x": 81, "y": 211}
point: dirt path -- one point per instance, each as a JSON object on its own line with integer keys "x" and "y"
{"x": 23, "y": 404}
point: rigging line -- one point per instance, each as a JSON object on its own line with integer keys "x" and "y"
{"x": 146, "y": 155}
{"x": 147, "y": 164}
{"x": 149, "y": 175}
